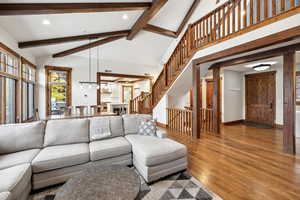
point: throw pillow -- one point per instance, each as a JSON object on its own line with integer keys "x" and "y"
{"x": 147, "y": 127}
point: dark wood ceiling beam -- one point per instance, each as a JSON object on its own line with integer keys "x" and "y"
{"x": 146, "y": 17}
{"x": 187, "y": 17}
{"x": 52, "y": 41}
{"x": 86, "y": 46}
{"x": 60, "y": 8}
{"x": 159, "y": 30}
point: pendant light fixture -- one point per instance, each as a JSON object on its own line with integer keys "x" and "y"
{"x": 90, "y": 83}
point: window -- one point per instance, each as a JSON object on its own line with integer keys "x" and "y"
{"x": 28, "y": 84}
{"x": 127, "y": 93}
{"x": 298, "y": 88}
{"x": 17, "y": 80}
{"x": 10, "y": 107}
{"x": 58, "y": 89}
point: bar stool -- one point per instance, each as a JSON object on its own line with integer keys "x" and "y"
{"x": 96, "y": 108}
{"x": 81, "y": 109}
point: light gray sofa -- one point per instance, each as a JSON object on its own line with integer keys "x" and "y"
{"x": 36, "y": 155}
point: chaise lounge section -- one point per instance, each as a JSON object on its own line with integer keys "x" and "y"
{"x": 40, "y": 154}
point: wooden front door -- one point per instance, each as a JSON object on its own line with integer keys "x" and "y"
{"x": 260, "y": 98}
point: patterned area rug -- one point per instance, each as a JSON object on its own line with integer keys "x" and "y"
{"x": 179, "y": 186}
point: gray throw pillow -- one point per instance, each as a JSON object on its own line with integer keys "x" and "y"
{"x": 147, "y": 127}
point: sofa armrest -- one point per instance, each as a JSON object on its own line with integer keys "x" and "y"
{"x": 161, "y": 134}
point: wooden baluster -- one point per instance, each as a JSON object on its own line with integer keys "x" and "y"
{"x": 258, "y": 11}
{"x": 282, "y": 5}
{"x": 251, "y": 12}
{"x": 181, "y": 123}
{"x": 266, "y": 6}
{"x": 219, "y": 24}
{"x": 233, "y": 16}
{"x": 215, "y": 26}
{"x": 206, "y": 27}
{"x": 239, "y": 15}
{"x": 211, "y": 38}
{"x": 273, "y": 8}
{"x": 245, "y": 13}
{"x": 292, "y": 4}
{"x": 228, "y": 19}
{"x": 223, "y": 22}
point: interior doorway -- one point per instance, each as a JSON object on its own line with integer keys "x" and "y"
{"x": 260, "y": 98}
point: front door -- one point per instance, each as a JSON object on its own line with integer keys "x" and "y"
{"x": 260, "y": 98}
{"x": 209, "y": 93}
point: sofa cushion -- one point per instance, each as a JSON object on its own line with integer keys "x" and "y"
{"x": 21, "y": 157}
{"x": 132, "y": 122}
{"x": 109, "y": 148}
{"x": 5, "y": 196}
{"x": 115, "y": 127}
{"x": 69, "y": 131}
{"x": 152, "y": 151}
{"x": 15, "y": 180}
{"x": 19, "y": 137}
{"x": 99, "y": 128}
{"x": 56, "y": 157}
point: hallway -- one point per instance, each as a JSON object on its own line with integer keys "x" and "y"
{"x": 244, "y": 163}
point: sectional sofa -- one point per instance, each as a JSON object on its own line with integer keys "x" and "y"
{"x": 40, "y": 154}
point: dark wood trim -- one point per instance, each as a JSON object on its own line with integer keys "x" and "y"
{"x": 276, "y": 38}
{"x": 162, "y": 125}
{"x": 60, "y": 8}
{"x": 241, "y": 121}
{"x": 297, "y": 74}
{"x": 187, "y": 17}
{"x": 289, "y": 111}
{"x": 69, "y": 85}
{"x": 196, "y": 122}
{"x": 258, "y": 56}
{"x": 25, "y": 61}
{"x": 9, "y": 50}
{"x": 87, "y": 46}
{"x": 146, "y": 17}
{"x": 37, "y": 43}
{"x": 159, "y": 30}
{"x": 216, "y": 101}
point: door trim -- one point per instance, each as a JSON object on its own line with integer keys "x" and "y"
{"x": 273, "y": 73}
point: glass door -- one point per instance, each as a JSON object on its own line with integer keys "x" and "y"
{"x": 57, "y": 92}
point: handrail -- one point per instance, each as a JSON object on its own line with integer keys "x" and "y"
{"x": 231, "y": 19}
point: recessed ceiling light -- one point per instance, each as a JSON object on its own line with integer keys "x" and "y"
{"x": 261, "y": 63}
{"x": 46, "y": 22}
{"x": 262, "y": 67}
{"x": 125, "y": 16}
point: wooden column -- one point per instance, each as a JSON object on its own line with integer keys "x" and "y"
{"x": 289, "y": 108}
{"x": 99, "y": 91}
{"x": 196, "y": 123}
{"x": 216, "y": 100}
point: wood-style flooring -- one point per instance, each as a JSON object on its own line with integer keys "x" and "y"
{"x": 244, "y": 163}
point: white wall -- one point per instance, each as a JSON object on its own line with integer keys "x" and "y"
{"x": 160, "y": 111}
{"x": 179, "y": 101}
{"x": 232, "y": 96}
{"x": 80, "y": 72}
{"x": 10, "y": 42}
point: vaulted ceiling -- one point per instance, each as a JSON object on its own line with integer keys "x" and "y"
{"x": 145, "y": 47}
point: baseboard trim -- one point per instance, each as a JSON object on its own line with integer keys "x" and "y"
{"x": 241, "y": 121}
{"x": 279, "y": 126}
{"x": 162, "y": 125}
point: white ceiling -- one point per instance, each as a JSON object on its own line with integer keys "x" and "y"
{"x": 147, "y": 48}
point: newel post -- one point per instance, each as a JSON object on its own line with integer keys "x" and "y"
{"x": 196, "y": 123}
{"x": 289, "y": 107}
{"x": 216, "y": 99}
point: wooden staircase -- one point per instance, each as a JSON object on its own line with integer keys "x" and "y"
{"x": 229, "y": 20}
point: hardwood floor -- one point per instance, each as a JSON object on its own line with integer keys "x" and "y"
{"x": 244, "y": 163}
